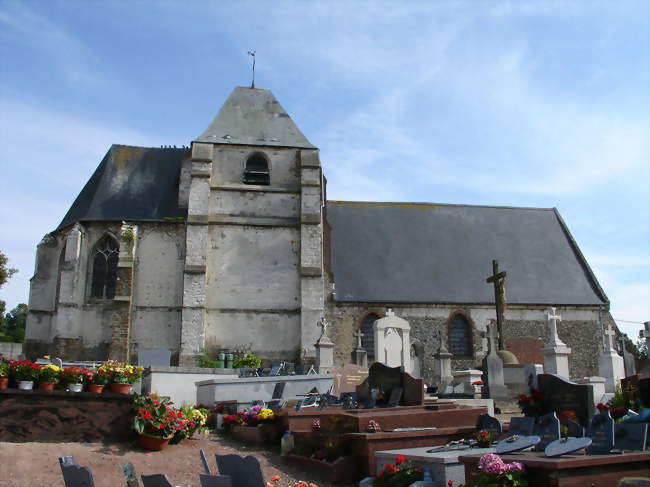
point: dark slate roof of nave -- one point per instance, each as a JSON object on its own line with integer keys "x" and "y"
{"x": 253, "y": 116}
{"x": 131, "y": 183}
{"x": 429, "y": 253}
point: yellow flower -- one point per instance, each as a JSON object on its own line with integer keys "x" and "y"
{"x": 52, "y": 367}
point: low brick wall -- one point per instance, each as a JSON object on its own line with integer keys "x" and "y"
{"x": 61, "y": 416}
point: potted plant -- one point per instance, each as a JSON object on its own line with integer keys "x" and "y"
{"x": 24, "y": 373}
{"x": 401, "y": 474}
{"x": 74, "y": 377}
{"x": 4, "y": 374}
{"x": 48, "y": 376}
{"x": 493, "y": 471}
{"x": 196, "y": 420}
{"x": 156, "y": 421}
{"x": 122, "y": 375}
{"x": 97, "y": 380}
{"x": 483, "y": 438}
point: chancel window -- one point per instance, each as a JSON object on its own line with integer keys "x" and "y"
{"x": 368, "y": 338}
{"x": 257, "y": 170}
{"x": 460, "y": 336}
{"x": 104, "y": 275}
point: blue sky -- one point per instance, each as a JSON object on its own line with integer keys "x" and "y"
{"x": 543, "y": 104}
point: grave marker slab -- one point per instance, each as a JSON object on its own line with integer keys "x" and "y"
{"x": 548, "y": 429}
{"x": 630, "y": 436}
{"x": 521, "y": 426}
{"x": 516, "y": 443}
{"x": 601, "y": 432}
{"x": 347, "y": 378}
{"x": 75, "y": 475}
{"x": 489, "y": 423}
{"x": 562, "y": 395}
{"x": 566, "y": 445}
{"x": 243, "y": 471}
{"x": 156, "y": 480}
{"x": 385, "y": 379}
{"x": 395, "y": 397}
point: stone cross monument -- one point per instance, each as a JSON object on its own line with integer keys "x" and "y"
{"x": 359, "y": 354}
{"x": 610, "y": 363}
{"x": 498, "y": 279}
{"x": 442, "y": 375}
{"x": 324, "y": 349}
{"x": 493, "y": 369}
{"x": 556, "y": 353}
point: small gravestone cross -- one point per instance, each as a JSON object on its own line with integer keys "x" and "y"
{"x": 609, "y": 338}
{"x": 552, "y": 319}
{"x": 498, "y": 279}
{"x": 324, "y": 324}
{"x": 358, "y": 335}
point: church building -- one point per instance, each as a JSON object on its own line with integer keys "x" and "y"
{"x": 232, "y": 244}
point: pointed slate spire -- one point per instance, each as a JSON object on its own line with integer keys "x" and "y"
{"x": 252, "y": 116}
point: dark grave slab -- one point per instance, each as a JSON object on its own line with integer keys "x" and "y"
{"x": 516, "y": 443}
{"x": 155, "y": 356}
{"x": 547, "y": 428}
{"x": 204, "y": 462}
{"x": 521, "y": 426}
{"x": 630, "y": 436}
{"x": 244, "y": 471}
{"x": 489, "y": 423}
{"x": 395, "y": 397}
{"x": 278, "y": 390}
{"x": 567, "y": 445}
{"x": 275, "y": 369}
{"x": 385, "y": 379}
{"x": 561, "y": 395}
{"x": 601, "y": 432}
{"x": 75, "y": 475}
{"x": 634, "y": 482}
{"x": 571, "y": 428}
{"x": 156, "y": 480}
{"x": 630, "y": 388}
{"x": 371, "y": 400}
{"x": 208, "y": 480}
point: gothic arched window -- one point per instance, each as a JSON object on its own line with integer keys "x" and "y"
{"x": 58, "y": 275}
{"x": 460, "y": 336}
{"x": 257, "y": 170}
{"x": 104, "y": 271}
{"x": 368, "y": 338}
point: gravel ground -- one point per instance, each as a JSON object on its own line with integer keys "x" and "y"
{"x": 36, "y": 464}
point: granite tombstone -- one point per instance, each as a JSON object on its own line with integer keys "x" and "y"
{"x": 561, "y": 395}
{"x": 601, "y": 432}
{"x": 521, "y": 426}
{"x": 547, "y": 428}
{"x": 243, "y": 471}
{"x": 347, "y": 378}
{"x": 630, "y": 436}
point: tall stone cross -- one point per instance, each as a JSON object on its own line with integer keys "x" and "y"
{"x": 609, "y": 338}
{"x": 499, "y": 278}
{"x": 552, "y": 318}
{"x": 358, "y": 335}
{"x": 324, "y": 324}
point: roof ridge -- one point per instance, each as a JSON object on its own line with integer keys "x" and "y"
{"x": 421, "y": 203}
{"x": 146, "y": 147}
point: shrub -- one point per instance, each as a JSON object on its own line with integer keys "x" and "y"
{"x": 248, "y": 361}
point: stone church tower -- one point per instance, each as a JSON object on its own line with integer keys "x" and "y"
{"x": 231, "y": 244}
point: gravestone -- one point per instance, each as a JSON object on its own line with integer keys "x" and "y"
{"x": 562, "y": 395}
{"x": 154, "y": 356}
{"x": 243, "y": 471}
{"x": 395, "y": 397}
{"x": 75, "y": 475}
{"x": 489, "y": 423}
{"x": 276, "y": 367}
{"x": 324, "y": 349}
{"x": 156, "y": 480}
{"x": 359, "y": 354}
{"x": 371, "y": 400}
{"x": 442, "y": 374}
{"x": 347, "y": 378}
{"x": 630, "y": 436}
{"x": 601, "y": 432}
{"x": 521, "y": 426}
{"x": 208, "y": 480}
{"x": 556, "y": 353}
{"x": 392, "y": 341}
{"x": 547, "y": 428}
{"x": 566, "y": 445}
{"x": 493, "y": 366}
{"x": 610, "y": 363}
{"x": 628, "y": 359}
{"x": 384, "y": 379}
{"x": 516, "y": 443}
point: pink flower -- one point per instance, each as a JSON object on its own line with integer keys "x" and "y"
{"x": 515, "y": 467}
{"x": 492, "y": 463}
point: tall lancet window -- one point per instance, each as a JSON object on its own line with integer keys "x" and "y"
{"x": 104, "y": 275}
{"x": 460, "y": 336}
{"x": 257, "y": 170}
{"x": 368, "y": 330}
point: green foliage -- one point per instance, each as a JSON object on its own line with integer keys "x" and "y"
{"x": 250, "y": 361}
{"x": 12, "y": 325}
{"x": 638, "y": 349}
{"x": 507, "y": 479}
{"x": 5, "y": 272}
{"x": 205, "y": 360}
{"x": 619, "y": 400}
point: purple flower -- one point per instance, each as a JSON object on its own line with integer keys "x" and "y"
{"x": 491, "y": 463}
{"x": 515, "y": 467}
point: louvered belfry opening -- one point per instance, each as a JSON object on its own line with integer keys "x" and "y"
{"x": 257, "y": 170}
{"x": 460, "y": 336}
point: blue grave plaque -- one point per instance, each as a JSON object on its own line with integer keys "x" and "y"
{"x": 547, "y": 428}
{"x": 516, "y": 443}
{"x": 521, "y": 426}
{"x": 566, "y": 445}
{"x": 630, "y": 436}
{"x": 601, "y": 432}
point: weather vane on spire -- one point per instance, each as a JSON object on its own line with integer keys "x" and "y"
{"x": 252, "y": 54}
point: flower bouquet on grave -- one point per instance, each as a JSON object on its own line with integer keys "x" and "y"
{"x": 24, "y": 373}
{"x": 373, "y": 426}
{"x": 494, "y": 472}
{"x": 533, "y": 405}
{"x": 230, "y": 420}
{"x": 75, "y": 377}
{"x": 196, "y": 419}
{"x": 122, "y": 375}
{"x": 483, "y": 438}
{"x": 48, "y": 376}
{"x": 4, "y": 374}
{"x": 402, "y": 474}
{"x": 156, "y": 421}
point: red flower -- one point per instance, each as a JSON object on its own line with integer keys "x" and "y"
{"x": 477, "y": 383}
{"x": 391, "y": 468}
{"x": 524, "y": 398}
{"x": 399, "y": 460}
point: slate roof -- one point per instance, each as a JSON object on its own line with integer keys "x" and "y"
{"x": 428, "y": 253}
{"x": 131, "y": 183}
{"x": 253, "y": 116}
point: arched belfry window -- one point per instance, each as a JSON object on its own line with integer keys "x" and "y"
{"x": 368, "y": 330}
{"x": 460, "y": 336}
{"x": 257, "y": 170}
{"x": 104, "y": 270}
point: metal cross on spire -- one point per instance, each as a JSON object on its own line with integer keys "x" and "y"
{"x": 252, "y": 54}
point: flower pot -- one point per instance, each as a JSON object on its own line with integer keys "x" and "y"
{"x": 25, "y": 385}
{"x": 46, "y": 386}
{"x": 153, "y": 443}
{"x": 75, "y": 387}
{"x": 4, "y": 382}
{"x": 120, "y": 388}
{"x": 96, "y": 388}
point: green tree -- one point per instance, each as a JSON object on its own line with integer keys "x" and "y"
{"x": 5, "y": 275}
{"x": 5, "y": 272}
{"x": 13, "y": 327}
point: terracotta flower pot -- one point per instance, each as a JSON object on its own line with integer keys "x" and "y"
{"x": 96, "y": 388}
{"x": 120, "y": 388}
{"x": 46, "y": 386}
{"x": 4, "y": 382}
{"x": 152, "y": 443}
